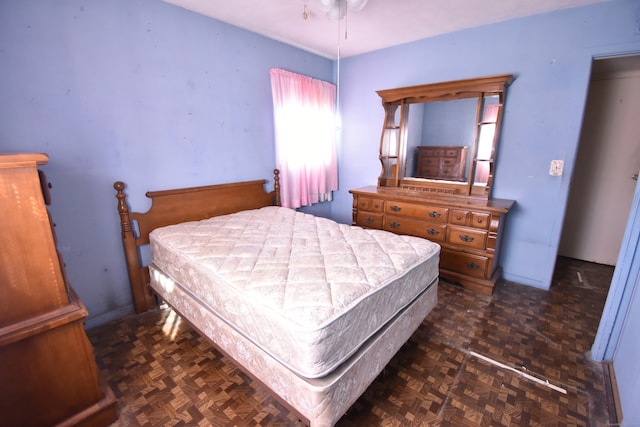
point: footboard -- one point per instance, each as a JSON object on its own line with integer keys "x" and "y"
{"x": 175, "y": 206}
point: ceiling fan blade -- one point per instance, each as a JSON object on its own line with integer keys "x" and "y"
{"x": 357, "y": 5}
{"x": 325, "y": 5}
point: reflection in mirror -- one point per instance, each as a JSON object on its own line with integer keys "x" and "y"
{"x": 440, "y": 138}
{"x": 390, "y": 142}
{"x": 486, "y": 133}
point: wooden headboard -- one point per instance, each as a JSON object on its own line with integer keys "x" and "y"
{"x": 181, "y": 205}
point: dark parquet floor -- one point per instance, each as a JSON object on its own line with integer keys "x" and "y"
{"x": 517, "y": 358}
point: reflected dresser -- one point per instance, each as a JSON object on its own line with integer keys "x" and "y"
{"x": 442, "y": 162}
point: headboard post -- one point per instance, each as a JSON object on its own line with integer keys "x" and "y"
{"x": 276, "y": 186}
{"x": 143, "y": 299}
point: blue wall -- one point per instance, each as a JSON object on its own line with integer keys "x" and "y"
{"x": 142, "y": 91}
{"x": 550, "y": 56}
{"x": 139, "y": 91}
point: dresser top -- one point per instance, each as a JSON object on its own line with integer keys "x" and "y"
{"x": 497, "y": 205}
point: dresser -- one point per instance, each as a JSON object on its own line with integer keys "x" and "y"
{"x": 442, "y": 162}
{"x": 469, "y": 231}
{"x": 48, "y": 372}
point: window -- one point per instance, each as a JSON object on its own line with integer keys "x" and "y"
{"x": 305, "y": 133}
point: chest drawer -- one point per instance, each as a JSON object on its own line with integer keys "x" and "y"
{"x": 369, "y": 220}
{"x": 432, "y": 151}
{"x": 429, "y": 170}
{"x": 468, "y": 237}
{"x": 432, "y": 213}
{"x": 432, "y": 231}
{"x": 429, "y": 161}
{"x": 450, "y": 171}
{"x": 471, "y": 265}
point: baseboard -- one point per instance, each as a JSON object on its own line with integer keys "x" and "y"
{"x": 107, "y": 317}
{"x": 612, "y": 384}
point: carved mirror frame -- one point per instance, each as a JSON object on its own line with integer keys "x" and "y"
{"x": 393, "y": 142}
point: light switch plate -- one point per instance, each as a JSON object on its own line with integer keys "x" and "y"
{"x": 556, "y": 167}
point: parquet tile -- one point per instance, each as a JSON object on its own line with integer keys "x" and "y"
{"x": 164, "y": 374}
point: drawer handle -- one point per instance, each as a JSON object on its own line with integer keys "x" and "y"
{"x": 472, "y": 266}
{"x": 395, "y": 208}
{"x": 480, "y": 221}
{"x": 394, "y": 225}
{"x": 369, "y": 219}
{"x": 434, "y": 214}
{"x": 458, "y": 218}
{"x": 466, "y": 238}
{"x": 432, "y": 232}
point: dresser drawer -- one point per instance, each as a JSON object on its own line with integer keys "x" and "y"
{"x": 480, "y": 220}
{"x": 432, "y": 213}
{"x": 401, "y": 225}
{"x": 471, "y": 265}
{"x": 470, "y": 219}
{"x": 369, "y": 219}
{"x": 369, "y": 204}
{"x": 459, "y": 217}
{"x": 467, "y": 237}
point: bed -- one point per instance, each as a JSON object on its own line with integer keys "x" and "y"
{"x": 310, "y": 308}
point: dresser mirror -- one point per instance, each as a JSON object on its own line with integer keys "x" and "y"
{"x": 443, "y": 137}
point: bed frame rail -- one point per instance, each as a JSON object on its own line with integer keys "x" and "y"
{"x": 175, "y": 206}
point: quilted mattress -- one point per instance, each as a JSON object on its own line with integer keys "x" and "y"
{"x": 306, "y": 290}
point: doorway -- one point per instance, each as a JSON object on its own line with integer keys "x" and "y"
{"x": 608, "y": 156}
{"x": 621, "y": 286}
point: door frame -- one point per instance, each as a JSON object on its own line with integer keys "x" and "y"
{"x": 625, "y": 274}
{"x": 622, "y": 286}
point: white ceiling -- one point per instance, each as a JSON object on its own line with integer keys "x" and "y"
{"x": 382, "y": 23}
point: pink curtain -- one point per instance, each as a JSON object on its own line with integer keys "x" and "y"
{"x": 305, "y": 132}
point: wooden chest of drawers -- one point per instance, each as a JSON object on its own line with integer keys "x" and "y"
{"x": 469, "y": 231}
{"x": 48, "y": 373}
{"x": 442, "y": 162}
